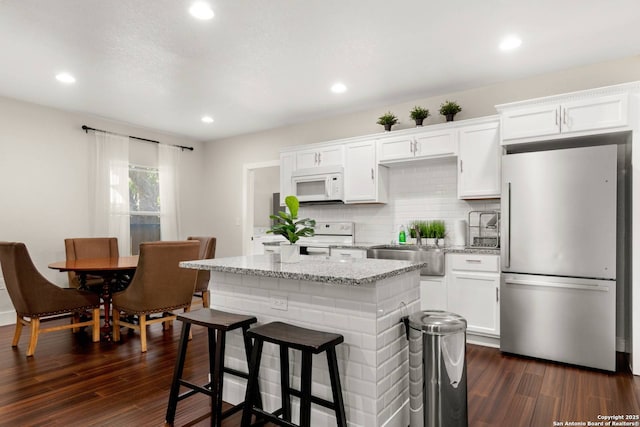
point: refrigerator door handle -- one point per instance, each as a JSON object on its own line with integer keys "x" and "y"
{"x": 575, "y": 286}
{"x": 506, "y": 231}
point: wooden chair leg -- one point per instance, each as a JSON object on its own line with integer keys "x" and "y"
{"x": 205, "y": 299}
{"x": 75, "y": 318}
{"x": 18, "y": 332}
{"x": 96, "y": 325}
{"x": 143, "y": 333}
{"x": 35, "y": 329}
{"x": 115, "y": 324}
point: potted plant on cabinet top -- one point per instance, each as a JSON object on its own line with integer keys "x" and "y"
{"x": 419, "y": 114}
{"x": 291, "y": 228}
{"x": 449, "y": 109}
{"x": 387, "y": 120}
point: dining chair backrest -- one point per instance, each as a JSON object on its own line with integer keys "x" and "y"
{"x": 30, "y": 292}
{"x": 35, "y": 298}
{"x": 89, "y": 247}
{"x": 159, "y": 283}
{"x": 207, "y": 251}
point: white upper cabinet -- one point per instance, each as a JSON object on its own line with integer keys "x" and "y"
{"x": 479, "y": 158}
{"x": 322, "y": 156}
{"x": 415, "y": 146}
{"x": 365, "y": 181}
{"x": 577, "y": 114}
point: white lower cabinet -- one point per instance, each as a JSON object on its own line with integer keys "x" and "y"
{"x": 473, "y": 291}
{"x": 433, "y": 293}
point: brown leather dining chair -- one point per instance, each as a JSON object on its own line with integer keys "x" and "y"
{"x": 207, "y": 251}
{"x": 159, "y": 286}
{"x": 37, "y": 300}
{"x": 89, "y": 247}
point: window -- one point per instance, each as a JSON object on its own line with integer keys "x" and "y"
{"x": 144, "y": 206}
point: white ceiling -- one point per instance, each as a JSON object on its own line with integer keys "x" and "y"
{"x": 263, "y": 64}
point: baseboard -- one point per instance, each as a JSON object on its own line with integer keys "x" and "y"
{"x": 7, "y": 317}
{"x": 483, "y": 340}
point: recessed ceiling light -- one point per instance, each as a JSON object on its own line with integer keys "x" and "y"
{"x": 207, "y": 119}
{"x": 338, "y": 88}
{"x": 201, "y": 10}
{"x": 65, "y": 78}
{"x": 510, "y": 43}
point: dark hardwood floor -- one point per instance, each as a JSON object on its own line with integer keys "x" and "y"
{"x": 74, "y": 382}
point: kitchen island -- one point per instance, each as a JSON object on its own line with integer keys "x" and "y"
{"x": 362, "y": 299}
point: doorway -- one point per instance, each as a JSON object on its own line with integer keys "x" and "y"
{"x": 261, "y": 180}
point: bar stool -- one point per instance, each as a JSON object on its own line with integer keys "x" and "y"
{"x": 215, "y": 321}
{"x": 309, "y": 342}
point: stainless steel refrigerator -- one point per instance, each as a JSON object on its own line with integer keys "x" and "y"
{"x": 558, "y": 287}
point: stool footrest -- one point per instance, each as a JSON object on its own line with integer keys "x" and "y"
{"x": 237, "y": 373}
{"x": 194, "y": 389}
{"x": 272, "y": 417}
{"x": 314, "y": 399}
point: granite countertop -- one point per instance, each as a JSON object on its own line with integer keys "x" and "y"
{"x": 312, "y": 268}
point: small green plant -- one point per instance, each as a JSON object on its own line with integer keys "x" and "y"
{"x": 387, "y": 120}
{"x": 422, "y": 226}
{"x": 419, "y": 113}
{"x": 437, "y": 229}
{"x": 288, "y": 224}
{"x": 449, "y": 108}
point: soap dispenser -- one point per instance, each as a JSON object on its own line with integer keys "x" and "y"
{"x": 402, "y": 236}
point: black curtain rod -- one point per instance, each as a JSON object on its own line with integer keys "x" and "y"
{"x": 87, "y": 129}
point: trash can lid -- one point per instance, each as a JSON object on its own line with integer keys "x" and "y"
{"x": 437, "y": 322}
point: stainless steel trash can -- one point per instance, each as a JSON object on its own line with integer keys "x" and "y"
{"x": 437, "y": 369}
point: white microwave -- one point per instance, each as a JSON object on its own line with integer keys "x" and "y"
{"x": 324, "y": 184}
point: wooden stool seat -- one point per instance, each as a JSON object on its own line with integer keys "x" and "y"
{"x": 296, "y": 337}
{"x": 218, "y": 323}
{"x": 217, "y": 319}
{"x": 309, "y": 342}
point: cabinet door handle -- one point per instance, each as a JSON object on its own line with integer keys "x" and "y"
{"x": 564, "y": 116}
{"x": 557, "y": 114}
{"x": 460, "y": 165}
{"x": 319, "y": 158}
{"x": 315, "y": 158}
{"x": 372, "y": 173}
{"x": 497, "y": 294}
{"x": 411, "y": 147}
{"x": 473, "y": 261}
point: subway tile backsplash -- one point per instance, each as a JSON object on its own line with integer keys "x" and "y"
{"x": 425, "y": 191}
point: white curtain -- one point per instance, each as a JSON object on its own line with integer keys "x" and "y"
{"x": 110, "y": 172}
{"x": 169, "y": 171}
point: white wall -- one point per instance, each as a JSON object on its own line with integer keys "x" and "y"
{"x": 44, "y": 191}
{"x": 225, "y": 157}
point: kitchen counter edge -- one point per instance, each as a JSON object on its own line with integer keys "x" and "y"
{"x": 310, "y": 268}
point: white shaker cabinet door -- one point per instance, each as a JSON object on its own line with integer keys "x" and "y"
{"x": 531, "y": 122}
{"x": 479, "y": 158}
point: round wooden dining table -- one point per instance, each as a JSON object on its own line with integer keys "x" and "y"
{"x": 113, "y": 271}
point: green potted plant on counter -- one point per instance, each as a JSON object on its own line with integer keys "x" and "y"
{"x": 422, "y": 228}
{"x": 288, "y": 225}
{"x": 437, "y": 231}
{"x": 418, "y": 114}
{"x": 449, "y": 109}
{"x": 387, "y": 120}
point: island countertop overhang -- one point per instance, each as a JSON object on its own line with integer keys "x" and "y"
{"x": 353, "y": 272}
